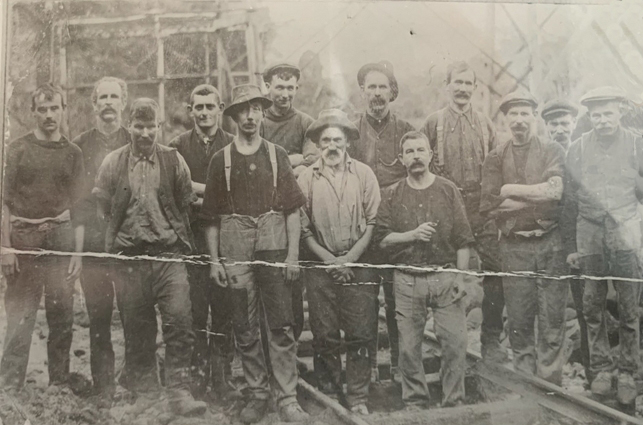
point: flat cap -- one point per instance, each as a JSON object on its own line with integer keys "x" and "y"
{"x": 278, "y": 67}
{"x": 603, "y": 94}
{"x": 386, "y": 68}
{"x": 518, "y": 97}
{"x": 332, "y": 118}
{"x": 243, "y": 94}
{"x": 558, "y": 107}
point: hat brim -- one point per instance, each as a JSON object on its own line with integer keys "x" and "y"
{"x": 504, "y": 108}
{"x": 267, "y": 75}
{"x": 558, "y": 112}
{"x": 602, "y": 99}
{"x": 314, "y": 131}
{"x": 232, "y": 109}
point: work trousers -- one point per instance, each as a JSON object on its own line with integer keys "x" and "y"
{"x": 140, "y": 285}
{"x": 611, "y": 249}
{"x": 98, "y": 287}
{"x": 22, "y": 299}
{"x": 252, "y": 286}
{"x": 493, "y": 300}
{"x": 213, "y": 349}
{"x": 385, "y": 276}
{"x": 349, "y": 307}
{"x": 414, "y": 294}
{"x": 534, "y": 297}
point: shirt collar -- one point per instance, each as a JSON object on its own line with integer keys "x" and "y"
{"x": 135, "y": 159}
{"x": 319, "y": 167}
{"x": 467, "y": 113}
{"x": 204, "y": 138}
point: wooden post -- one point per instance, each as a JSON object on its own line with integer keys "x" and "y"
{"x": 252, "y": 53}
{"x": 221, "y": 58}
{"x": 491, "y": 31}
{"x": 160, "y": 67}
{"x": 206, "y": 43}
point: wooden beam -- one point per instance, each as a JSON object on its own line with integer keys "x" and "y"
{"x": 206, "y": 43}
{"x": 630, "y": 35}
{"x": 252, "y": 53}
{"x": 597, "y": 28}
{"x": 160, "y": 67}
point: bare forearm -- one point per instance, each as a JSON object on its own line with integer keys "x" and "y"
{"x": 212, "y": 236}
{"x": 198, "y": 189}
{"x": 319, "y": 251}
{"x": 393, "y": 239}
{"x": 462, "y": 260}
{"x": 79, "y": 238}
{"x": 355, "y": 253}
{"x": 293, "y": 228}
{"x": 551, "y": 190}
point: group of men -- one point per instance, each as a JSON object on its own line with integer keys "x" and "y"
{"x": 291, "y": 202}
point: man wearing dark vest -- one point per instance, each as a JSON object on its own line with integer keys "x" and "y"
{"x": 144, "y": 193}
{"x": 602, "y": 228}
{"x": 378, "y": 147}
{"x": 109, "y": 99}
{"x": 560, "y": 118}
{"x": 461, "y": 139}
{"x": 286, "y": 126}
{"x": 43, "y": 178}
{"x": 213, "y": 347}
{"x": 252, "y": 203}
{"x": 522, "y": 184}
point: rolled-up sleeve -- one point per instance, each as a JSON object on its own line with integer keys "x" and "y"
{"x": 372, "y": 197}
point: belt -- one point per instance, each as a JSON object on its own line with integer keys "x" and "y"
{"x": 60, "y": 218}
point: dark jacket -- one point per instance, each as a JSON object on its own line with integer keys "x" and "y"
{"x": 175, "y": 192}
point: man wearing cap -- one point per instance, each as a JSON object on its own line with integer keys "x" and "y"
{"x": 602, "y": 228}
{"x": 144, "y": 193}
{"x": 560, "y": 118}
{"x": 378, "y": 147}
{"x": 252, "y": 202}
{"x": 461, "y": 139}
{"x": 286, "y": 126}
{"x": 109, "y": 98}
{"x": 522, "y": 184}
{"x": 213, "y": 347}
{"x": 422, "y": 223}
{"x": 342, "y": 200}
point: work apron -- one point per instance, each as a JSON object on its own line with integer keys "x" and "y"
{"x": 241, "y": 236}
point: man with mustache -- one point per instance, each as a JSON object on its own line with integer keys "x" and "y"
{"x": 378, "y": 147}
{"x": 522, "y": 184}
{"x": 285, "y": 126}
{"x": 144, "y": 193}
{"x": 422, "y": 223}
{"x": 602, "y": 227}
{"x": 251, "y": 203}
{"x": 342, "y": 200}
{"x": 462, "y": 139}
{"x": 560, "y": 118}
{"x": 212, "y": 351}
{"x": 109, "y": 99}
{"x": 43, "y": 179}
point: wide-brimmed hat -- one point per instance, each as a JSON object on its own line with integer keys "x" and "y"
{"x": 243, "y": 94}
{"x": 332, "y": 118}
{"x": 518, "y": 97}
{"x": 558, "y": 107}
{"x": 603, "y": 94}
{"x": 276, "y": 68}
{"x": 386, "y": 68}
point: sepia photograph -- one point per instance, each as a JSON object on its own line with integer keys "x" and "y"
{"x": 353, "y": 212}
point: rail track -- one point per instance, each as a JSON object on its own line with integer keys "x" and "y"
{"x": 502, "y": 397}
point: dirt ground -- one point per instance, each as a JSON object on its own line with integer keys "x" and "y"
{"x": 39, "y": 404}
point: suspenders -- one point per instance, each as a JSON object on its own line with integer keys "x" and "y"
{"x": 227, "y": 160}
{"x": 441, "y": 136}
